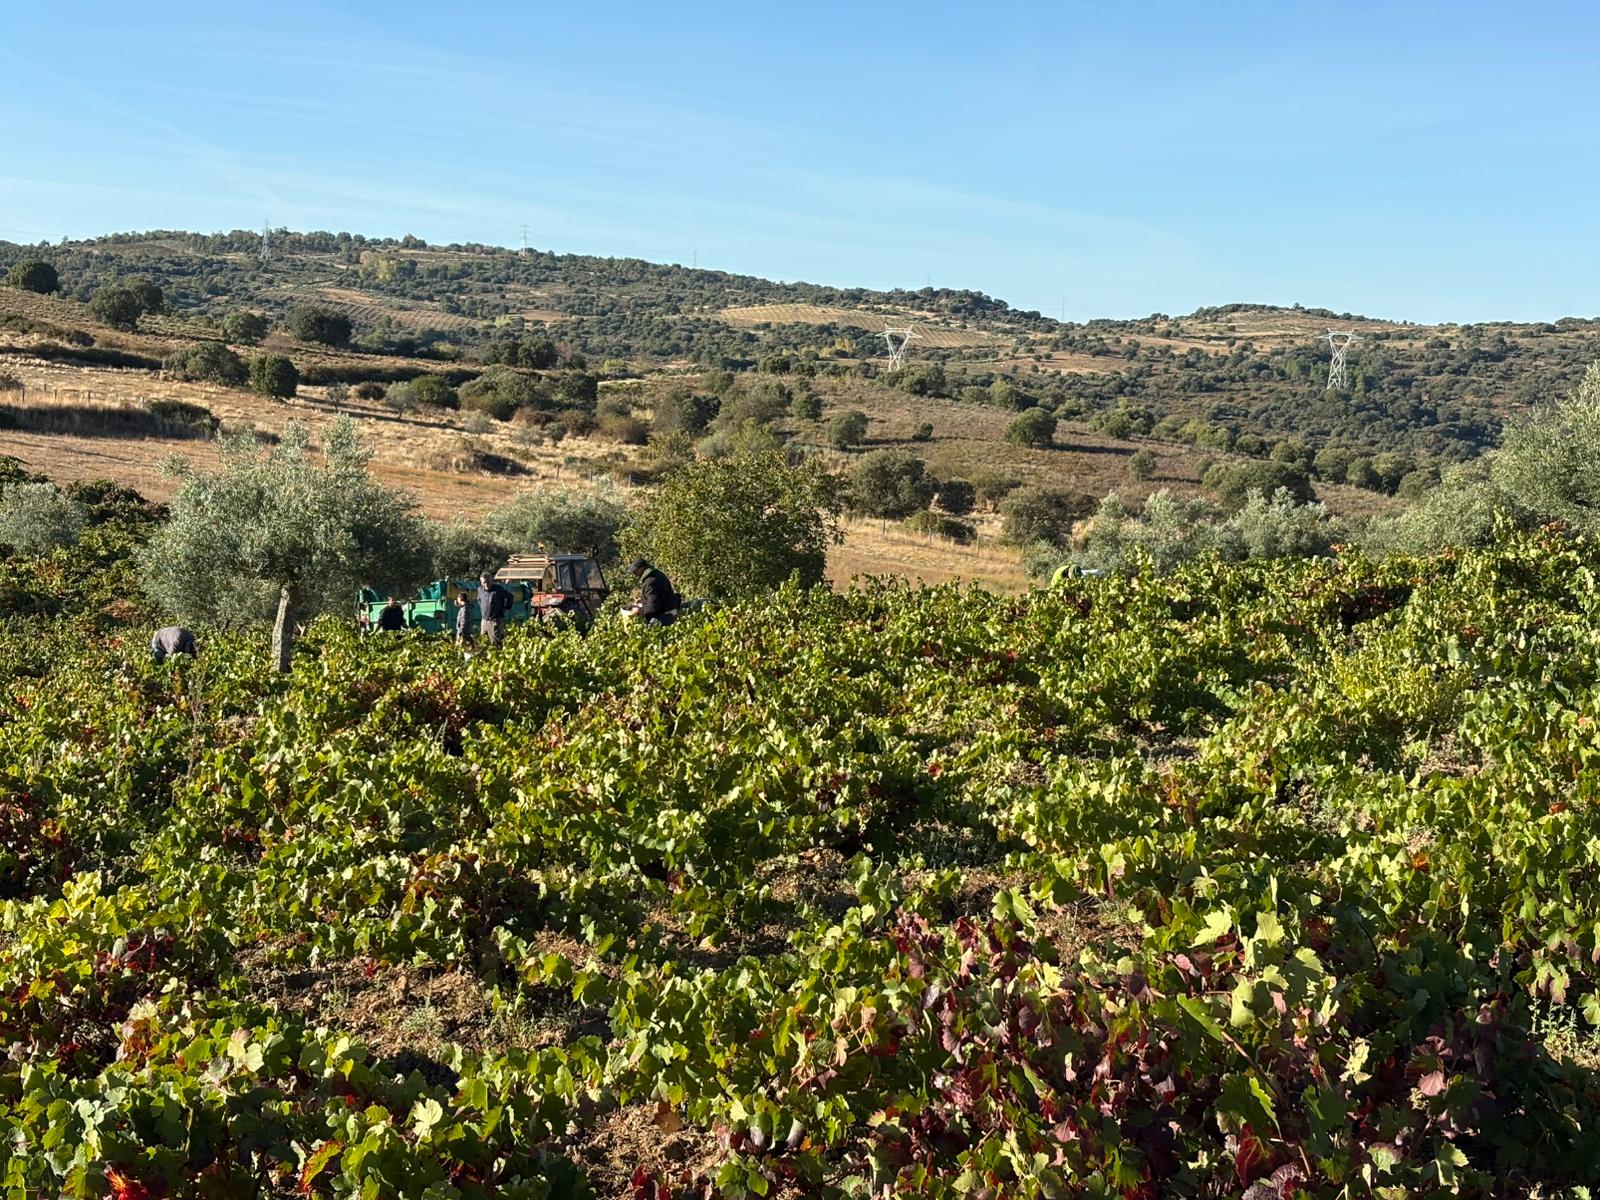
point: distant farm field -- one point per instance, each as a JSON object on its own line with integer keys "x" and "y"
{"x": 937, "y": 337}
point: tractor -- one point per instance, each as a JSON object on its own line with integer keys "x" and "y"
{"x": 544, "y": 587}
{"x": 567, "y": 587}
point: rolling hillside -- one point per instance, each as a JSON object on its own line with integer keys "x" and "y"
{"x": 1226, "y": 384}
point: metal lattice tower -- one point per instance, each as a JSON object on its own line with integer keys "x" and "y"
{"x": 266, "y": 241}
{"x": 1339, "y": 342}
{"x": 897, "y": 350}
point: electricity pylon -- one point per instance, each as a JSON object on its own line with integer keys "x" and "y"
{"x": 897, "y": 350}
{"x": 1339, "y": 342}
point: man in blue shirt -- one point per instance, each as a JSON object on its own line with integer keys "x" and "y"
{"x": 494, "y": 602}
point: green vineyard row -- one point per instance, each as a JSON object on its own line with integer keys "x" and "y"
{"x": 1253, "y": 880}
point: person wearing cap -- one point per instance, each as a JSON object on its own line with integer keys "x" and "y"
{"x": 174, "y": 639}
{"x": 494, "y": 602}
{"x": 658, "y": 599}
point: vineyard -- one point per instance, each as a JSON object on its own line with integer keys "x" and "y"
{"x": 1267, "y": 881}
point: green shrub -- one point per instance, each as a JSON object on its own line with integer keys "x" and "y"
{"x": 196, "y": 417}
{"x": 937, "y": 525}
{"x": 847, "y": 429}
{"x": 244, "y": 327}
{"x": 957, "y": 497}
{"x": 1036, "y": 514}
{"x": 207, "y": 362}
{"x": 433, "y": 391}
{"x": 33, "y": 275}
{"x": 117, "y": 307}
{"x": 577, "y": 389}
{"x": 995, "y": 486}
{"x": 1232, "y": 483}
{"x": 1035, "y": 428}
{"x": 500, "y": 391}
{"x": 274, "y": 375}
{"x": 151, "y": 298}
{"x": 680, "y": 410}
{"x": 315, "y": 323}
{"x": 626, "y": 429}
{"x": 890, "y": 483}
{"x": 576, "y": 422}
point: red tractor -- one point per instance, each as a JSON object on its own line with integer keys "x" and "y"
{"x": 566, "y": 587}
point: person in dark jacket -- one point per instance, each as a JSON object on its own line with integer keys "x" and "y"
{"x": 393, "y": 617}
{"x": 174, "y": 639}
{"x": 463, "y": 620}
{"x": 658, "y": 599}
{"x": 494, "y": 602}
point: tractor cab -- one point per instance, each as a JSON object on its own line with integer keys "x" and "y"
{"x": 561, "y": 585}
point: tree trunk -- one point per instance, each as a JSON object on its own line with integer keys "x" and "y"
{"x": 283, "y": 630}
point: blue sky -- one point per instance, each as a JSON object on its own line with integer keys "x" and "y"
{"x": 1419, "y": 161}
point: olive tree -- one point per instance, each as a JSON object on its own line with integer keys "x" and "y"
{"x": 37, "y": 517}
{"x": 562, "y": 520}
{"x": 275, "y": 534}
{"x": 1546, "y": 469}
{"x": 738, "y": 525}
{"x": 1549, "y": 460}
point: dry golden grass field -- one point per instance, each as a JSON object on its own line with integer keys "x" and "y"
{"x": 441, "y": 457}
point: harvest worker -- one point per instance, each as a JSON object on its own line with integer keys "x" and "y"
{"x": 494, "y": 601}
{"x": 174, "y": 639}
{"x": 463, "y": 620}
{"x": 393, "y": 618}
{"x": 658, "y": 599}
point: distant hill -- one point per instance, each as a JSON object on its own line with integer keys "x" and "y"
{"x": 1235, "y": 380}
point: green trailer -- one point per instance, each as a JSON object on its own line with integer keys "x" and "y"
{"x": 433, "y": 608}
